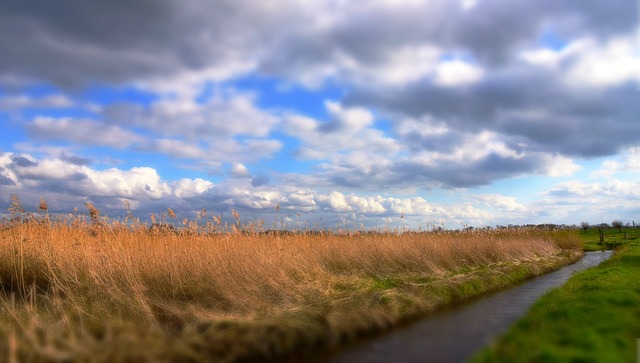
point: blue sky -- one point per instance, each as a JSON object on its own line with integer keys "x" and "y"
{"x": 449, "y": 112}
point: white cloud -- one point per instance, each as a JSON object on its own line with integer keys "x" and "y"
{"x": 7, "y": 176}
{"x": 67, "y": 179}
{"x": 224, "y": 115}
{"x": 58, "y": 177}
{"x": 239, "y": 170}
{"x": 65, "y": 186}
{"x": 468, "y": 4}
{"x": 457, "y": 73}
{"x": 424, "y": 127}
{"x": 216, "y": 125}
{"x": 589, "y": 62}
{"x": 530, "y": 109}
{"x": 469, "y": 214}
{"x": 627, "y": 161}
{"x": 577, "y": 188}
{"x": 560, "y": 166}
{"x": 399, "y": 66}
{"x": 188, "y": 83}
{"x": 227, "y": 127}
{"x": 352, "y": 119}
{"x": 350, "y": 130}
{"x": 176, "y": 148}
{"x": 23, "y": 101}
{"x": 472, "y": 148}
{"x": 608, "y": 168}
{"x": 253, "y": 199}
{"x": 401, "y": 4}
{"x": 335, "y": 201}
{"x": 49, "y": 169}
{"x": 81, "y": 131}
{"x": 246, "y": 150}
{"x": 372, "y": 205}
{"x": 413, "y": 205}
{"x": 187, "y": 188}
{"x": 501, "y": 202}
{"x": 341, "y": 203}
{"x": 135, "y": 182}
{"x": 575, "y": 201}
{"x": 605, "y": 64}
{"x": 366, "y": 205}
{"x": 543, "y": 57}
{"x": 300, "y": 198}
{"x": 594, "y": 193}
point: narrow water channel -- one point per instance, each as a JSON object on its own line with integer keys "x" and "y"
{"x": 454, "y": 335}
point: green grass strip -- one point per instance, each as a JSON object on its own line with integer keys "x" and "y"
{"x": 594, "y": 317}
{"x": 612, "y": 238}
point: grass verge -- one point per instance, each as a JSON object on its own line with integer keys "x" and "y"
{"x": 612, "y": 238}
{"x": 594, "y": 317}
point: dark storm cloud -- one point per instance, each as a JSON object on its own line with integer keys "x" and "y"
{"x": 260, "y": 180}
{"x": 471, "y": 107}
{"x": 74, "y": 42}
{"x": 576, "y": 122}
{"x": 493, "y": 29}
{"x": 446, "y": 143}
{"x": 483, "y": 171}
{"x": 68, "y": 185}
{"x": 75, "y": 159}
{"x": 4, "y": 180}
{"x": 447, "y": 174}
{"x": 22, "y": 161}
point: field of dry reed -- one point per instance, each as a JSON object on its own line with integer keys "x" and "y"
{"x": 81, "y": 289}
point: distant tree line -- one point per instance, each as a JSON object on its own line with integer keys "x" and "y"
{"x": 617, "y": 224}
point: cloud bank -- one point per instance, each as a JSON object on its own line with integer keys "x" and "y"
{"x": 333, "y": 108}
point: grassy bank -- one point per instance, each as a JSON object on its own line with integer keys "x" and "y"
{"x": 75, "y": 291}
{"x": 612, "y": 238}
{"x": 595, "y": 317}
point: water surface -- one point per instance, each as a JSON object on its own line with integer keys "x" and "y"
{"x": 454, "y": 335}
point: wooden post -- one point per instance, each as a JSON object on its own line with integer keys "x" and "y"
{"x": 601, "y": 236}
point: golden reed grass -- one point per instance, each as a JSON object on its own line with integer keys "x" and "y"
{"x": 73, "y": 290}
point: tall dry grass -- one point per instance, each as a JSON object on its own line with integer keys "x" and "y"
{"x": 74, "y": 289}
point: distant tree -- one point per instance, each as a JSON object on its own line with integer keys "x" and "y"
{"x": 617, "y": 224}
{"x": 585, "y": 226}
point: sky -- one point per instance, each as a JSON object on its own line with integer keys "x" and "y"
{"x": 374, "y": 113}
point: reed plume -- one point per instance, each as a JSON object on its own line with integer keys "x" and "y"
{"x": 94, "y": 213}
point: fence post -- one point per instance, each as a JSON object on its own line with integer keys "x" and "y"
{"x": 601, "y": 236}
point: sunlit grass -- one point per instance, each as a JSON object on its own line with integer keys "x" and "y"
{"x": 594, "y": 317}
{"x": 84, "y": 289}
{"x": 612, "y": 237}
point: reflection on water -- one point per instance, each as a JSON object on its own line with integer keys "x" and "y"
{"x": 454, "y": 335}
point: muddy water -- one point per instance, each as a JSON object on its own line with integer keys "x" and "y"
{"x": 455, "y": 334}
